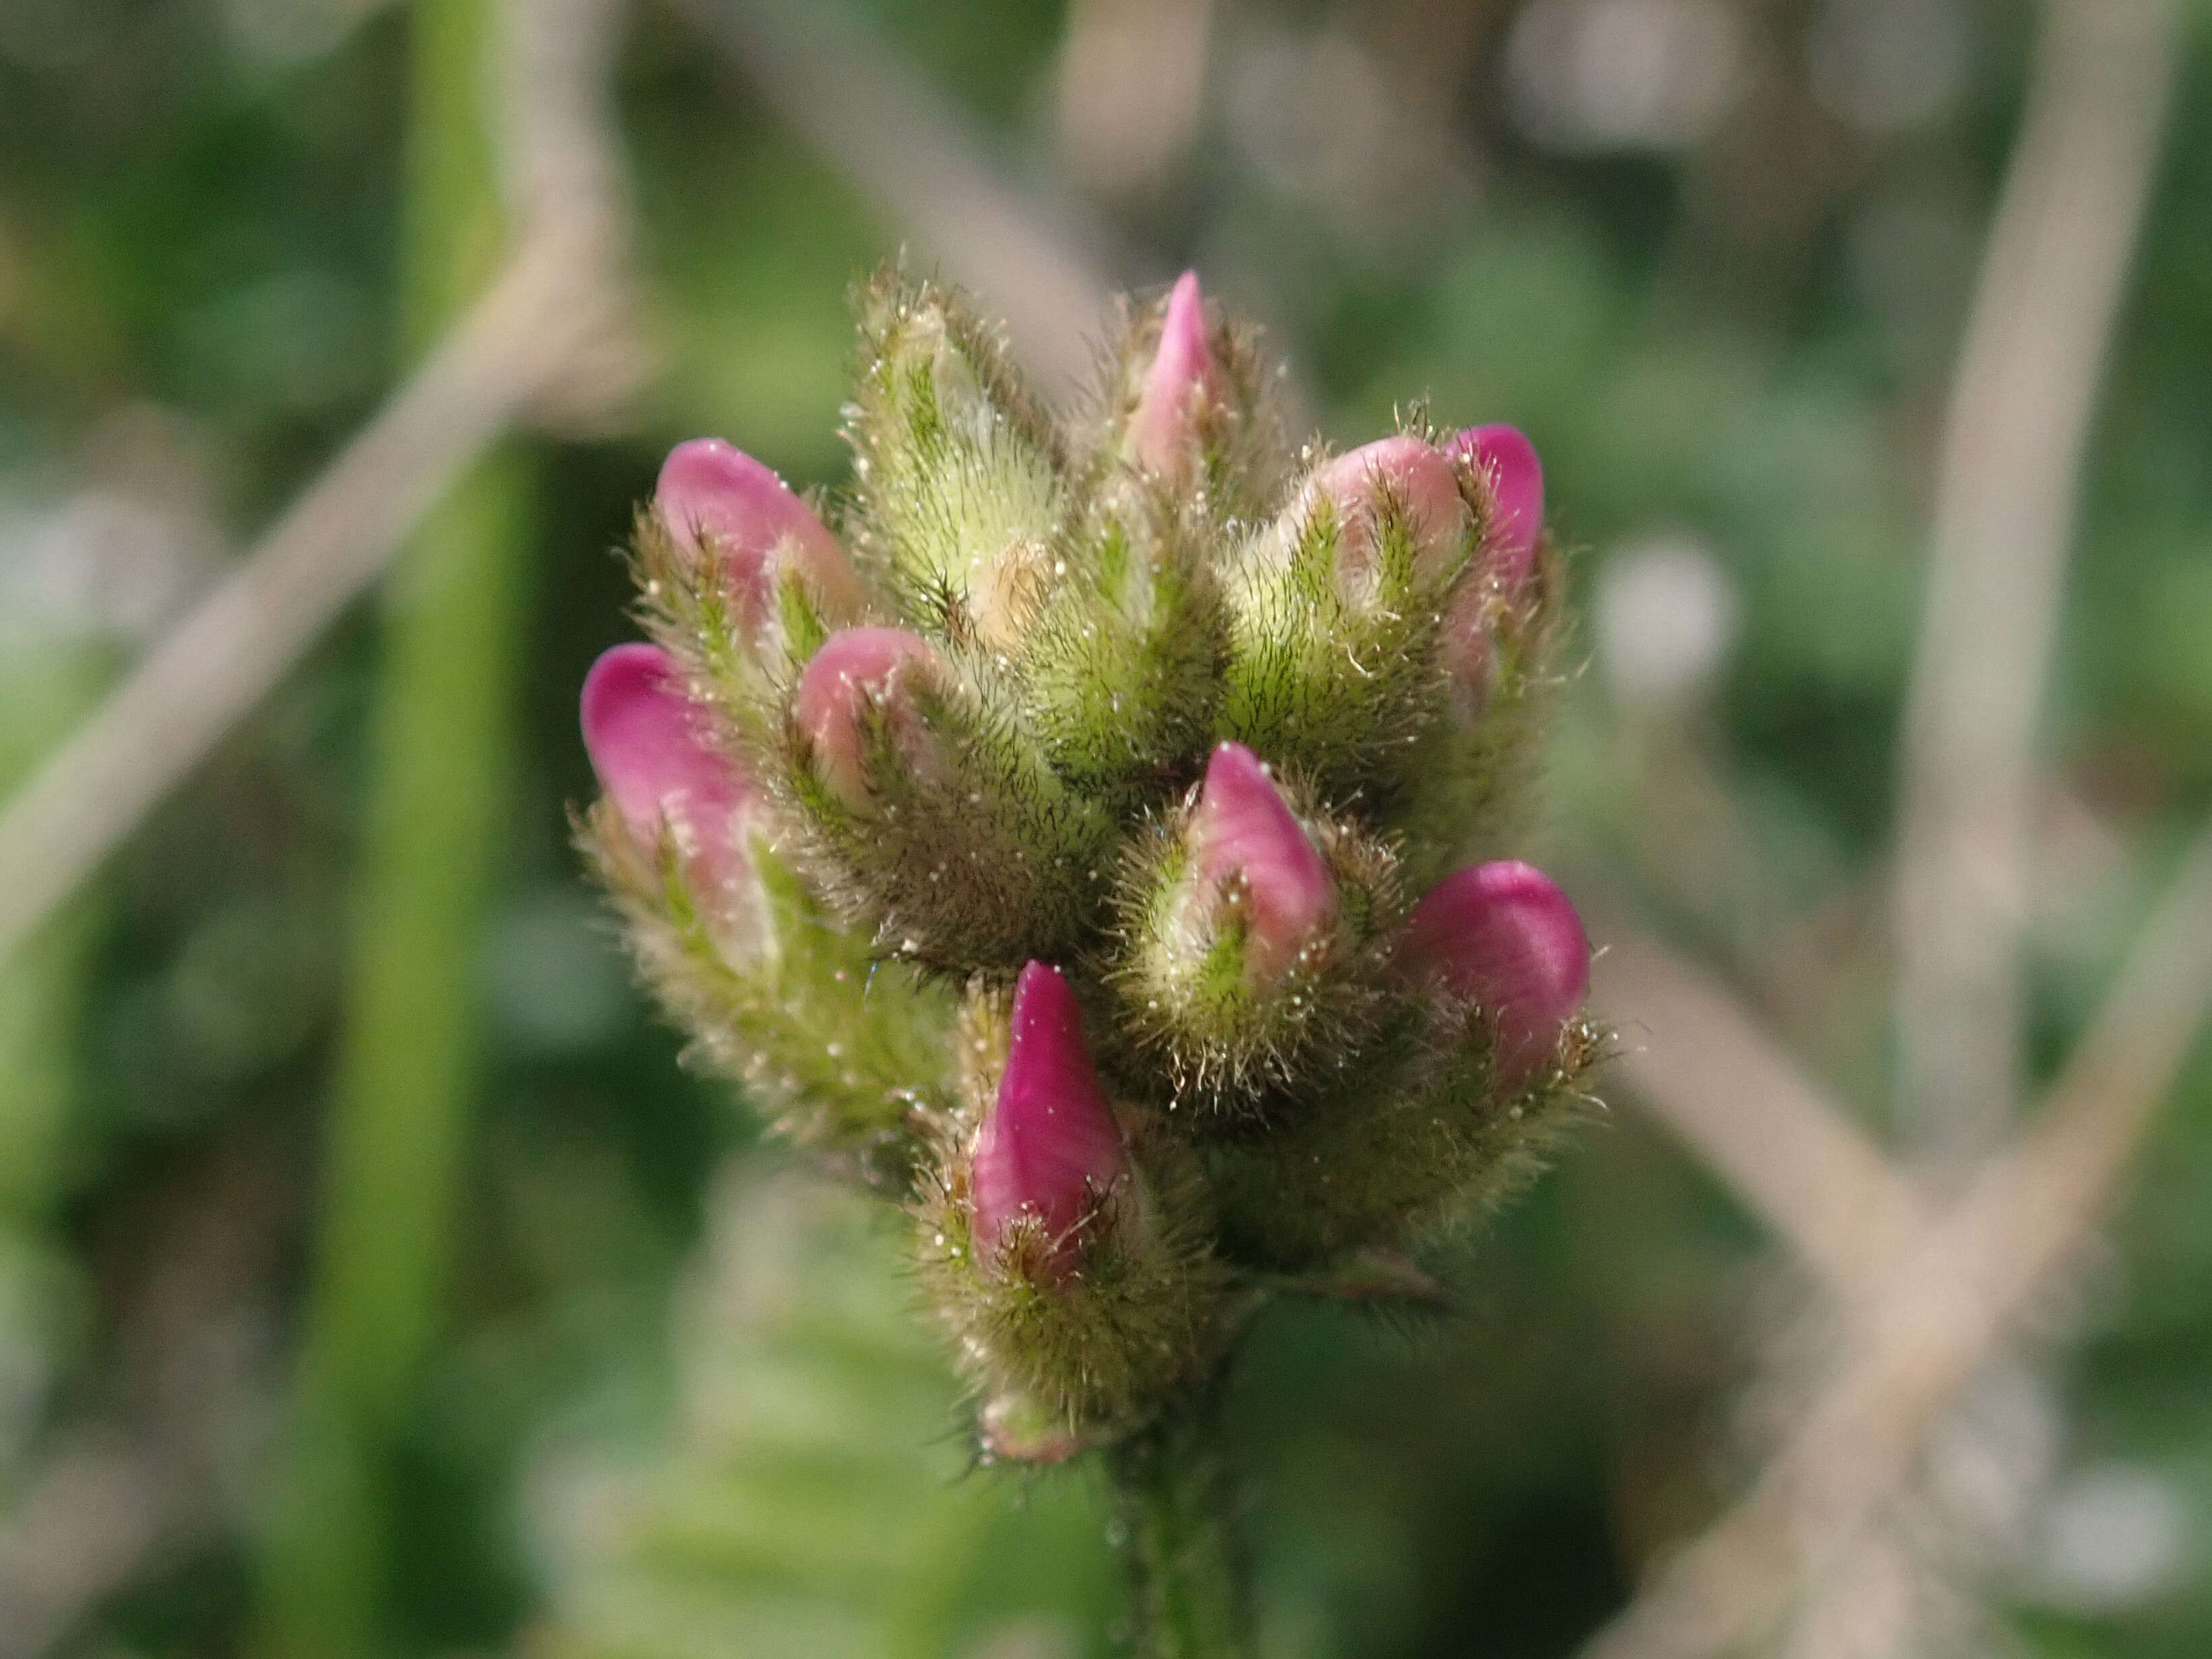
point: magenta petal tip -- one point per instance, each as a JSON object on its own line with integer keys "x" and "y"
{"x": 642, "y": 735}
{"x": 1242, "y": 826}
{"x": 1415, "y": 476}
{"x": 709, "y": 490}
{"x": 1507, "y": 463}
{"x": 1503, "y": 935}
{"x": 1050, "y": 1144}
{"x": 853, "y": 668}
{"x": 1163, "y": 422}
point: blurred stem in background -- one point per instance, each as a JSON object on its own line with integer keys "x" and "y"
{"x": 441, "y": 735}
{"x": 45, "y": 686}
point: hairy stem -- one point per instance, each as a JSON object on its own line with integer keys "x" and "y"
{"x": 1173, "y": 1512}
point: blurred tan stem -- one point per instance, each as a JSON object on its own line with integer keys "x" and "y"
{"x": 395, "y": 1150}
{"x": 2048, "y": 297}
{"x": 1975, "y": 1272}
{"x": 2050, "y": 286}
{"x": 553, "y": 335}
{"x": 91, "y": 793}
{"x": 1131, "y": 93}
{"x": 1697, "y": 1059}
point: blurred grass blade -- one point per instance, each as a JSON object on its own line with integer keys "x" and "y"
{"x": 441, "y": 735}
{"x": 44, "y": 687}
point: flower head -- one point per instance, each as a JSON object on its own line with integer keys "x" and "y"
{"x": 1034, "y": 735}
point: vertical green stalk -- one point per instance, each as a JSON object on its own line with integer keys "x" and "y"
{"x": 45, "y": 686}
{"x": 441, "y": 735}
{"x": 1173, "y": 1516}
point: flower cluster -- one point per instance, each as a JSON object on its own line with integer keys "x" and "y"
{"x": 1096, "y": 842}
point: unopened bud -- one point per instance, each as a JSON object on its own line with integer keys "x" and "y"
{"x": 1163, "y": 428}
{"x": 1245, "y": 841}
{"x": 857, "y": 671}
{"x": 1016, "y": 1427}
{"x": 1396, "y": 486}
{"x": 1506, "y": 462}
{"x": 718, "y": 501}
{"x": 642, "y": 733}
{"x": 1049, "y": 1146}
{"x": 1503, "y": 936}
{"x": 1336, "y": 614}
{"x": 956, "y": 471}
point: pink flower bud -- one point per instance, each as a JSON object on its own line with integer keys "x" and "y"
{"x": 642, "y": 733}
{"x": 1049, "y": 1146}
{"x": 855, "y": 670}
{"x": 1242, "y": 827}
{"x": 1504, "y": 936}
{"x": 1166, "y": 422}
{"x": 1507, "y": 463}
{"x": 712, "y": 496}
{"x": 1404, "y": 474}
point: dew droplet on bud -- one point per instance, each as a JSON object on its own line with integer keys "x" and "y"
{"x": 1014, "y": 1427}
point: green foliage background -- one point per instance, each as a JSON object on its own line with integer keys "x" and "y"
{"x": 674, "y": 1404}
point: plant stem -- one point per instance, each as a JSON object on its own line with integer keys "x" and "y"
{"x": 45, "y": 686}
{"x": 1173, "y": 1512}
{"x": 406, "y": 1077}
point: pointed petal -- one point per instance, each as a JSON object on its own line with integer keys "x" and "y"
{"x": 1242, "y": 826}
{"x": 1050, "y": 1144}
{"x": 1164, "y": 423}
